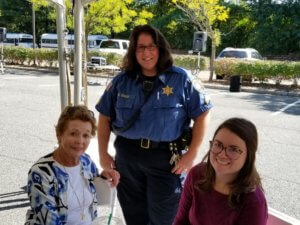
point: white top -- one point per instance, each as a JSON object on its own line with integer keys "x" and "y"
{"x": 79, "y": 198}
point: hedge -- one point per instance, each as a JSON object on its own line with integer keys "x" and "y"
{"x": 260, "y": 70}
{"x": 48, "y": 57}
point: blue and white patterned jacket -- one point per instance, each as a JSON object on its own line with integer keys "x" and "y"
{"x": 47, "y": 191}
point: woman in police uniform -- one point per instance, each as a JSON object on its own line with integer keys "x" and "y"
{"x": 149, "y": 106}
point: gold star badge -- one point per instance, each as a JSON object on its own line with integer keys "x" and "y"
{"x": 167, "y": 90}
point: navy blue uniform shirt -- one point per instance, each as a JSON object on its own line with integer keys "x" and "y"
{"x": 168, "y": 111}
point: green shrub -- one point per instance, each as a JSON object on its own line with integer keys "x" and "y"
{"x": 260, "y": 70}
{"x": 296, "y": 70}
{"x": 9, "y": 54}
{"x": 190, "y": 62}
{"x": 225, "y": 67}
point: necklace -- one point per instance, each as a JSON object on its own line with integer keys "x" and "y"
{"x": 73, "y": 189}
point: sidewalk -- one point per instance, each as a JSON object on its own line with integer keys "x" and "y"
{"x": 224, "y": 85}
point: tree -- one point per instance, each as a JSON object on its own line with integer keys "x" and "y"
{"x": 113, "y": 16}
{"x": 171, "y": 21}
{"x": 106, "y": 17}
{"x": 277, "y": 27}
{"x": 237, "y": 30}
{"x": 204, "y": 14}
{"x": 12, "y": 19}
{"x": 103, "y": 16}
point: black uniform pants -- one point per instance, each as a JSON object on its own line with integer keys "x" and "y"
{"x": 148, "y": 192}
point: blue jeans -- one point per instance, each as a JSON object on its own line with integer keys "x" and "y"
{"x": 148, "y": 192}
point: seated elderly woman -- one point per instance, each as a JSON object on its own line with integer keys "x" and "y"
{"x": 225, "y": 187}
{"x": 61, "y": 186}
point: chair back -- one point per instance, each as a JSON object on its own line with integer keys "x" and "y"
{"x": 104, "y": 191}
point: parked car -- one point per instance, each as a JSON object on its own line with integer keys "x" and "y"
{"x": 118, "y": 46}
{"x": 240, "y": 53}
{"x": 96, "y": 62}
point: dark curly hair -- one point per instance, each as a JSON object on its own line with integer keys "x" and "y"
{"x": 248, "y": 178}
{"x": 165, "y": 61}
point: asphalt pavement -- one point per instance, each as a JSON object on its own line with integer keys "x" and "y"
{"x": 13, "y": 117}
{"x": 204, "y": 75}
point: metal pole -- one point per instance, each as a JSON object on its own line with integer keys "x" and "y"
{"x": 199, "y": 62}
{"x": 61, "y": 56}
{"x": 2, "y": 60}
{"x": 78, "y": 14}
{"x": 33, "y": 30}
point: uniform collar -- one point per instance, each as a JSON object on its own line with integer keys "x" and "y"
{"x": 161, "y": 77}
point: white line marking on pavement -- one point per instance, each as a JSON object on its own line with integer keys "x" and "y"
{"x": 48, "y": 85}
{"x": 284, "y": 108}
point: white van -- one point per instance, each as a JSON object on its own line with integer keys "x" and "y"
{"x": 19, "y": 39}
{"x": 118, "y": 46}
{"x": 50, "y": 40}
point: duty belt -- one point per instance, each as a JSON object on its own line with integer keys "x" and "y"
{"x": 145, "y": 144}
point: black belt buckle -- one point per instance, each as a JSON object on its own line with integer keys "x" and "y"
{"x": 145, "y": 143}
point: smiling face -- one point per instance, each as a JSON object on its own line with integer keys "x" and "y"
{"x": 147, "y": 54}
{"x": 224, "y": 166}
{"x": 75, "y": 139}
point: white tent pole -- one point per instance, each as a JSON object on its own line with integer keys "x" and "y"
{"x": 78, "y": 15}
{"x": 62, "y": 56}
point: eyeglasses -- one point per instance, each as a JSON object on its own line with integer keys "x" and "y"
{"x": 142, "y": 48}
{"x": 232, "y": 151}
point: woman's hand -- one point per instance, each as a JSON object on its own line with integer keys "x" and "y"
{"x": 107, "y": 162}
{"x": 185, "y": 163}
{"x": 199, "y": 128}
{"x": 111, "y": 175}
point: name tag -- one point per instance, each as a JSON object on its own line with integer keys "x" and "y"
{"x": 121, "y": 95}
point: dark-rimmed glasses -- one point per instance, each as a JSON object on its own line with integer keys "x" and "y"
{"x": 232, "y": 151}
{"x": 142, "y": 48}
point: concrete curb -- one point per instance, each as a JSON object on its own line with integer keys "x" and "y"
{"x": 42, "y": 69}
{"x": 258, "y": 90}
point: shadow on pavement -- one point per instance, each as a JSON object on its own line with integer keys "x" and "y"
{"x": 10, "y": 200}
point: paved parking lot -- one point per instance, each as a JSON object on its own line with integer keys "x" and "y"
{"x": 30, "y": 106}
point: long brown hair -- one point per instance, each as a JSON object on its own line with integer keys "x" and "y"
{"x": 165, "y": 61}
{"x": 248, "y": 178}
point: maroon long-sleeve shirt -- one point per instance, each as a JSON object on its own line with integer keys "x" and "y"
{"x": 211, "y": 208}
